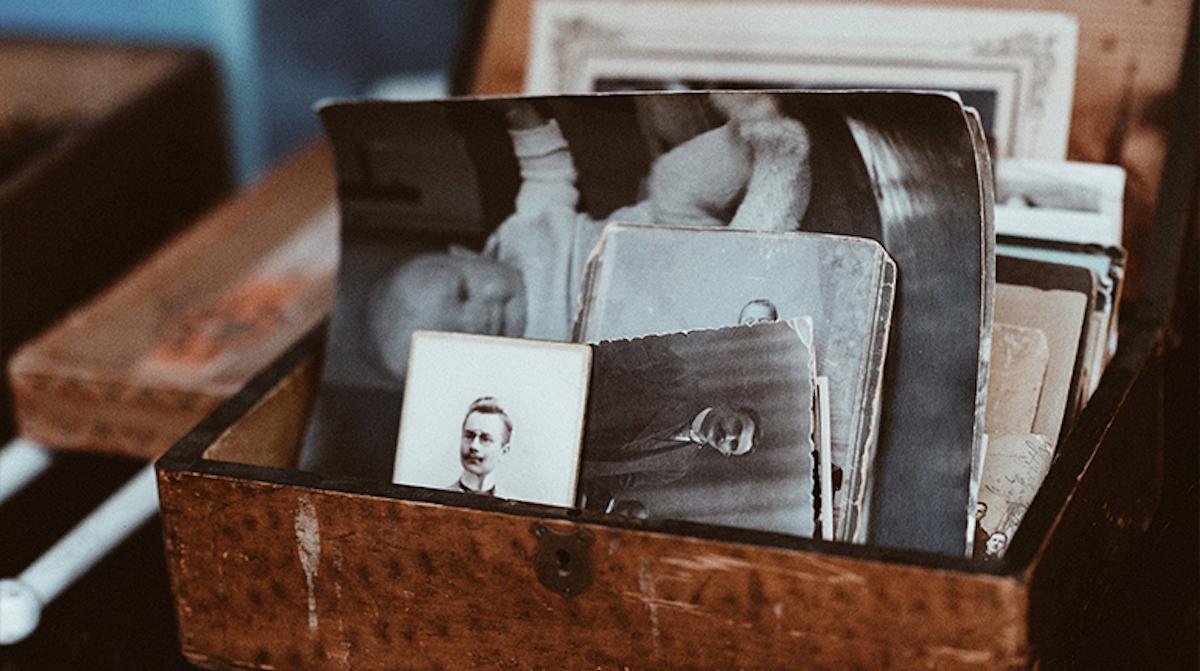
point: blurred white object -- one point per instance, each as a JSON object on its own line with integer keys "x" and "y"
{"x": 21, "y": 462}
{"x": 414, "y": 86}
{"x": 1065, "y": 201}
{"x": 23, "y": 598}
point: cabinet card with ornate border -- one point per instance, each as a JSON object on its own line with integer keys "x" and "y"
{"x": 711, "y": 426}
{"x": 493, "y": 416}
{"x": 1016, "y": 67}
{"x": 709, "y": 278}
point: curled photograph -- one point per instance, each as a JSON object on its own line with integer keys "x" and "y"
{"x": 478, "y": 216}
{"x": 845, "y": 285}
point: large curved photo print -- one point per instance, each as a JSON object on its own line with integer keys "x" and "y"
{"x": 479, "y": 216}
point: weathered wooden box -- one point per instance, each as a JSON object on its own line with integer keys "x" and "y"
{"x": 278, "y": 568}
{"x": 273, "y": 567}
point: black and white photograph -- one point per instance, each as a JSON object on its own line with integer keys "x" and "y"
{"x": 538, "y": 179}
{"x": 1013, "y": 471}
{"x": 490, "y": 416}
{"x": 1067, "y": 201}
{"x": 846, "y": 285}
{"x": 1017, "y": 68}
{"x": 710, "y": 426}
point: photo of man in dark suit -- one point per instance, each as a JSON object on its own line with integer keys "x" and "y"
{"x": 664, "y": 450}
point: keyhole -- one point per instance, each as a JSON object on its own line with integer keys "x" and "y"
{"x": 564, "y": 559}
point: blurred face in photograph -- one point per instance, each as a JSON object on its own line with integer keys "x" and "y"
{"x": 484, "y": 442}
{"x": 996, "y": 543}
{"x": 980, "y": 510}
{"x": 459, "y": 291}
{"x": 729, "y": 431}
{"x": 757, "y": 311}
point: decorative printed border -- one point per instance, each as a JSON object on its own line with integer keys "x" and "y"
{"x": 576, "y": 44}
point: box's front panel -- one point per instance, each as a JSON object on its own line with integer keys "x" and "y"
{"x": 275, "y": 576}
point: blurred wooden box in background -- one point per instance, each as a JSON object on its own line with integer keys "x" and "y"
{"x": 110, "y": 150}
{"x": 130, "y": 371}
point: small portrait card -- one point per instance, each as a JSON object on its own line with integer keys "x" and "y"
{"x": 493, "y": 416}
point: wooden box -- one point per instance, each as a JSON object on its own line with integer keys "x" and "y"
{"x": 106, "y": 152}
{"x": 273, "y": 567}
{"x": 277, "y": 568}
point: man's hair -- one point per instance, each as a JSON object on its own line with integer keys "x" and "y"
{"x": 763, "y": 302}
{"x": 488, "y": 405}
{"x": 981, "y": 505}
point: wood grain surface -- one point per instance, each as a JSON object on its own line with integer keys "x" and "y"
{"x": 283, "y": 576}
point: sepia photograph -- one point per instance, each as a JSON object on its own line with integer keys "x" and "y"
{"x": 491, "y": 416}
{"x": 710, "y": 426}
{"x": 1013, "y": 471}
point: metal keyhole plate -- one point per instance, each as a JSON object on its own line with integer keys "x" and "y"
{"x": 563, "y": 560}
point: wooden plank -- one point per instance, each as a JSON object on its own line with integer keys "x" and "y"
{"x": 1127, "y": 68}
{"x": 57, "y": 82}
{"x": 131, "y": 371}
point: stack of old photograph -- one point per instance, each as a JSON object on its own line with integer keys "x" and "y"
{"x": 1059, "y": 271}
{"x": 776, "y": 310}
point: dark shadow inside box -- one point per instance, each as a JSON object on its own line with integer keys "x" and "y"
{"x": 257, "y": 434}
